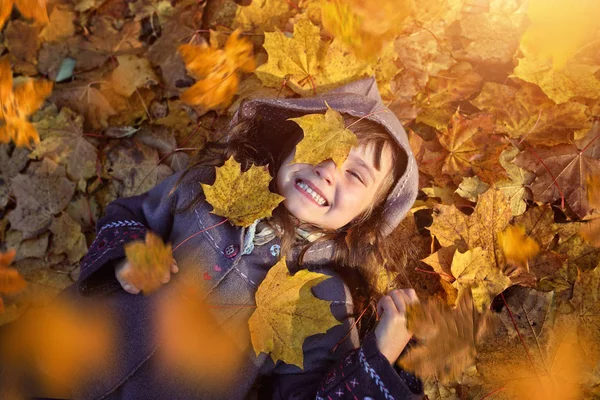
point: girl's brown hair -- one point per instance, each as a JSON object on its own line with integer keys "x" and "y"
{"x": 361, "y": 250}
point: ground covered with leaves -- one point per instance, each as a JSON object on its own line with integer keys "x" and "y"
{"x": 102, "y": 99}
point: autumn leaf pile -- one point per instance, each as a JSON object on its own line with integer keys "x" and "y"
{"x": 501, "y": 100}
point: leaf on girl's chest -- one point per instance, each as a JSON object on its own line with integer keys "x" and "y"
{"x": 325, "y": 136}
{"x": 242, "y": 197}
{"x": 287, "y": 313}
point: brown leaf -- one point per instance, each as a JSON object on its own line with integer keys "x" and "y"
{"x": 33, "y": 214}
{"x": 67, "y": 238}
{"x": 562, "y": 170}
{"x": 447, "y": 338}
{"x": 60, "y": 27}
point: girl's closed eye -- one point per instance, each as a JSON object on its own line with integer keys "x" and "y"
{"x": 357, "y": 176}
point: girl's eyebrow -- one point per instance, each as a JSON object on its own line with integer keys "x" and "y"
{"x": 362, "y": 163}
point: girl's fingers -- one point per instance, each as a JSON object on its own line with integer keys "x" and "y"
{"x": 400, "y": 300}
{"x": 174, "y": 267}
{"x": 130, "y": 288}
{"x": 385, "y": 304}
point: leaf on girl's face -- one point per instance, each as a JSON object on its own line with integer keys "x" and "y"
{"x": 517, "y": 247}
{"x": 287, "y": 313}
{"x": 325, "y": 137}
{"x": 18, "y": 103}
{"x": 242, "y": 197}
{"x": 447, "y": 338}
{"x": 150, "y": 261}
{"x": 216, "y": 71}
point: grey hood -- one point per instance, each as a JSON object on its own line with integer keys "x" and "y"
{"x": 358, "y": 99}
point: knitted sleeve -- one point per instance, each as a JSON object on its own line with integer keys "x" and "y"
{"x": 125, "y": 219}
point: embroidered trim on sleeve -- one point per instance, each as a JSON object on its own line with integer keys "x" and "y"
{"x": 117, "y": 224}
{"x": 374, "y": 375}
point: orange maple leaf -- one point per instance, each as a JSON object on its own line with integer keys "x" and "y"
{"x": 17, "y": 104}
{"x": 517, "y": 246}
{"x": 216, "y": 70}
{"x": 33, "y": 9}
{"x": 150, "y": 260}
{"x": 11, "y": 280}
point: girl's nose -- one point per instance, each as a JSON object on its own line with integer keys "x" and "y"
{"x": 326, "y": 170}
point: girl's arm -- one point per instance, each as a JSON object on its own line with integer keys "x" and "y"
{"x": 125, "y": 219}
{"x": 334, "y": 368}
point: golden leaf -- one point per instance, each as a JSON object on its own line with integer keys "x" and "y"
{"x": 11, "y": 280}
{"x": 150, "y": 261}
{"x": 18, "y": 104}
{"x": 593, "y": 191}
{"x": 217, "y": 71}
{"x": 364, "y": 26}
{"x": 325, "y": 137}
{"x": 447, "y": 338}
{"x": 33, "y": 9}
{"x": 200, "y": 350}
{"x": 475, "y": 269}
{"x": 131, "y": 74}
{"x": 242, "y": 197}
{"x": 517, "y": 247}
{"x": 287, "y": 313}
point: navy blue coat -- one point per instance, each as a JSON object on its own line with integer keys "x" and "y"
{"x": 351, "y": 371}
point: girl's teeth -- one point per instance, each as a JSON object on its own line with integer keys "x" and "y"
{"x": 314, "y": 195}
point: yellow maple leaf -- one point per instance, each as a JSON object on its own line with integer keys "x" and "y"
{"x": 325, "y": 136}
{"x": 362, "y": 25}
{"x": 242, "y": 197}
{"x": 33, "y": 9}
{"x": 287, "y": 313}
{"x": 151, "y": 260}
{"x": 476, "y": 270}
{"x": 18, "y": 103}
{"x": 216, "y": 71}
{"x": 447, "y": 338}
{"x": 517, "y": 246}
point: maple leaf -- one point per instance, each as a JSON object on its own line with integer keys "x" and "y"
{"x": 11, "y": 280}
{"x": 242, "y": 197}
{"x": 471, "y": 187}
{"x": 325, "y": 136}
{"x": 364, "y": 26}
{"x": 34, "y": 213}
{"x": 472, "y": 148}
{"x": 67, "y": 238}
{"x": 131, "y": 74}
{"x": 263, "y": 16}
{"x": 150, "y": 261}
{"x": 562, "y": 170}
{"x": 201, "y": 350}
{"x": 516, "y": 246}
{"x": 32, "y": 9}
{"x": 64, "y": 143}
{"x": 68, "y": 342}
{"x": 591, "y": 232}
{"x": 60, "y": 26}
{"x": 516, "y": 189}
{"x": 287, "y": 313}
{"x": 447, "y": 338}
{"x": 593, "y": 191}
{"x": 438, "y": 102}
{"x": 217, "y": 71}
{"x": 475, "y": 269}
{"x": 18, "y": 103}
{"x": 527, "y": 113}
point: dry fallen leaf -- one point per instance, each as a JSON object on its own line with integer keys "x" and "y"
{"x": 517, "y": 247}
{"x": 287, "y": 313}
{"x": 18, "y": 104}
{"x": 447, "y": 338}
{"x": 150, "y": 261}
{"x": 33, "y": 9}
{"x": 216, "y": 71}
{"x": 242, "y": 197}
{"x": 325, "y": 136}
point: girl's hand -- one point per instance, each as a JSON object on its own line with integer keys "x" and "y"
{"x": 123, "y": 270}
{"x": 391, "y": 331}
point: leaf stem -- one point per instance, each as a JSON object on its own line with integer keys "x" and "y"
{"x": 199, "y": 232}
{"x": 492, "y": 392}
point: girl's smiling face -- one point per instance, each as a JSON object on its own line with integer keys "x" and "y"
{"x": 331, "y": 197}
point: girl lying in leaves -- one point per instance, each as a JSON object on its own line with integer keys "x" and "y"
{"x": 326, "y": 242}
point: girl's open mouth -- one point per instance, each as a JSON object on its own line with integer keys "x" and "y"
{"x": 310, "y": 193}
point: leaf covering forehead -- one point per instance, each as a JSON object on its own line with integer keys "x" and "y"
{"x": 241, "y": 197}
{"x": 325, "y": 137}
